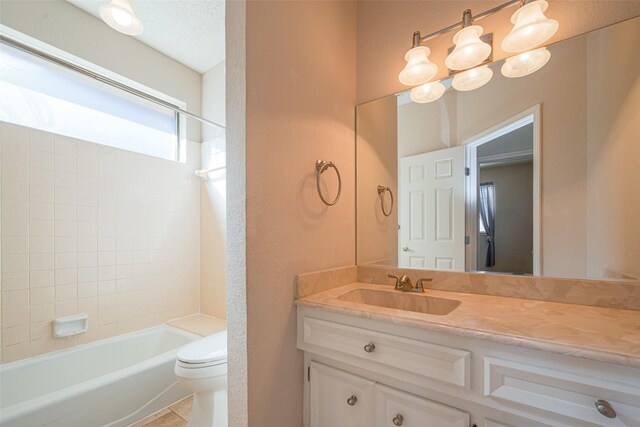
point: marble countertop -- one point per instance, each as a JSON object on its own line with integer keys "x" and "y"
{"x": 605, "y": 334}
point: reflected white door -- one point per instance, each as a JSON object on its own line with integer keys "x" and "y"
{"x": 432, "y": 210}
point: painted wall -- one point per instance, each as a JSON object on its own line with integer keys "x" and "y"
{"x": 72, "y": 30}
{"x": 213, "y": 203}
{"x": 377, "y": 151}
{"x": 92, "y": 229}
{"x": 514, "y": 219}
{"x": 385, "y": 29}
{"x": 300, "y": 98}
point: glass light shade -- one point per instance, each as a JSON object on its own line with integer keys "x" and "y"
{"x": 419, "y": 69}
{"x": 472, "y": 79}
{"x": 469, "y": 51}
{"x": 526, "y": 63}
{"x": 531, "y": 28}
{"x": 119, "y": 15}
{"x": 427, "y": 92}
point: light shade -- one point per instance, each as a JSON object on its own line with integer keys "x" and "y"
{"x": 119, "y": 15}
{"x": 526, "y": 63}
{"x": 419, "y": 69}
{"x": 531, "y": 28}
{"x": 469, "y": 51}
{"x": 427, "y": 92}
{"x": 472, "y": 79}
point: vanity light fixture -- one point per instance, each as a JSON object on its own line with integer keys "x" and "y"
{"x": 470, "y": 50}
{"x": 427, "y": 92}
{"x": 531, "y": 28}
{"x": 526, "y": 63}
{"x": 120, "y": 15}
{"x": 419, "y": 69}
{"x": 472, "y": 79}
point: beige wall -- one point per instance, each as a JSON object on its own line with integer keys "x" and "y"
{"x": 66, "y": 27}
{"x": 377, "y": 154}
{"x": 93, "y": 229}
{"x": 385, "y": 29}
{"x": 300, "y": 95}
{"x": 514, "y": 218}
{"x": 613, "y": 123}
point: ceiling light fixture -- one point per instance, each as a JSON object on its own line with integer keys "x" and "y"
{"x": 419, "y": 69}
{"x": 472, "y": 79}
{"x": 526, "y": 63}
{"x": 120, "y": 15}
{"x": 427, "y": 92}
{"x": 470, "y": 50}
{"x": 531, "y": 28}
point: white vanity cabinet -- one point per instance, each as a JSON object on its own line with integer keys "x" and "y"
{"x": 411, "y": 376}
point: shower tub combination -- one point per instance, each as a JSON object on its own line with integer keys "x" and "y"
{"x": 112, "y": 382}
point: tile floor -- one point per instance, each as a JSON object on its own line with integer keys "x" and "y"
{"x": 175, "y": 415}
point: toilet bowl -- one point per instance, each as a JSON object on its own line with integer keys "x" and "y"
{"x": 201, "y": 367}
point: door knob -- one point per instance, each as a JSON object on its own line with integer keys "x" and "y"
{"x": 605, "y": 408}
{"x": 405, "y": 248}
{"x": 398, "y": 420}
{"x": 352, "y": 400}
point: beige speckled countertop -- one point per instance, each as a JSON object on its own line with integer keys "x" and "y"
{"x": 604, "y": 334}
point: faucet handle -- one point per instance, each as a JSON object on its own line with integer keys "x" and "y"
{"x": 420, "y": 285}
{"x": 391, "y": 276}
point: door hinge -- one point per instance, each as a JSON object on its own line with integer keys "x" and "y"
{"x": 467, "y": 240}
{"x": 308, "y": 373}
{"x": 467, "y": 171}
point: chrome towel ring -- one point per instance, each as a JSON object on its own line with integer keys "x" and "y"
{"x": 381, "y": 190}
{"x": 322, "y": 166}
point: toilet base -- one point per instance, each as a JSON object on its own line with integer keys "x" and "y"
{"x": 209, "y": 409}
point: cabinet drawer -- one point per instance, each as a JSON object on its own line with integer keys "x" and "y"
{"x": 408, "y": 359}
{"x": 560, "y": 391}
{"x": 397, "y": 408}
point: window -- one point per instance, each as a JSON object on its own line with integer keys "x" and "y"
{"x": 40, "y": 94}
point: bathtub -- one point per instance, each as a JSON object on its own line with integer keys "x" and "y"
{"x": 112, "y": 382}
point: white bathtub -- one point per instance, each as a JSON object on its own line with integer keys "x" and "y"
{"x": 112, "y": 382}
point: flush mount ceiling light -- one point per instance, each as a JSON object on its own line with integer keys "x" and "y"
{"x": 120, "y": 16}
{"x": 472, "y": 79}
{"x": 419, "y": 69}
{"x": 470, "y": 50}
{"x": 531, "y": 28}
{"x": 526, "y": 63}
{"x": 427, "y": 92}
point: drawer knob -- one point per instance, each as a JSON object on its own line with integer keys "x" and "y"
{"x": 370, "y": 347}
{"x": 352, "y": 400}
{"x": 605, "y": 408}
{"x": 398, "y": 420}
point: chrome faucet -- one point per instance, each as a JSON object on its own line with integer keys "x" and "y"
{"x": 403, "y": 284}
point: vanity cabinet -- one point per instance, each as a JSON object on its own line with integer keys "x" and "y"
{"x": 338, "y": 398}
{"x": 440, "y": 379}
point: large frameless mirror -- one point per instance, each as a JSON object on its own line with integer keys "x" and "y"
{"x": 531, "y": 175}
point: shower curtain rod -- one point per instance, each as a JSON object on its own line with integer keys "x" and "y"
{"x": 54, "y": 59}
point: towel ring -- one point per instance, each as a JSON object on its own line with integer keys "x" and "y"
{"x": 322, "y": 166}
{"x": 381, "y": 190}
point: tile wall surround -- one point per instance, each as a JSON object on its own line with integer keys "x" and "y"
{"x": 91, "y": 229}
{"x": 597, "y": 293}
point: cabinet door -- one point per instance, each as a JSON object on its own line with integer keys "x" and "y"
{"x": 397, "y": 408}
{"x": 339, "y": 399}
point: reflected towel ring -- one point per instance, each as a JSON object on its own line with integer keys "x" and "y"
{"x": 322, "y": 166}
{"x": 381, "y": 190}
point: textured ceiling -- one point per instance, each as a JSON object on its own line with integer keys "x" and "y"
{"x": 189, "y": 31}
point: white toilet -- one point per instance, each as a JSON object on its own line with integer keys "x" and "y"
{"x": 201, "y": 367}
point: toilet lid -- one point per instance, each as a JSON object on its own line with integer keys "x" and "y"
{"x": 205, "y": 350}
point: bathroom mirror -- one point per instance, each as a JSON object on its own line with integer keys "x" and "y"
{"x": 531, "y": 175}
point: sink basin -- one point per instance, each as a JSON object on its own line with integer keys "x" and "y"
{"x": 401, "y": 301}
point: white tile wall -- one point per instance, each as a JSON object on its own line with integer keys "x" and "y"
{"x": 92, "y": 229}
